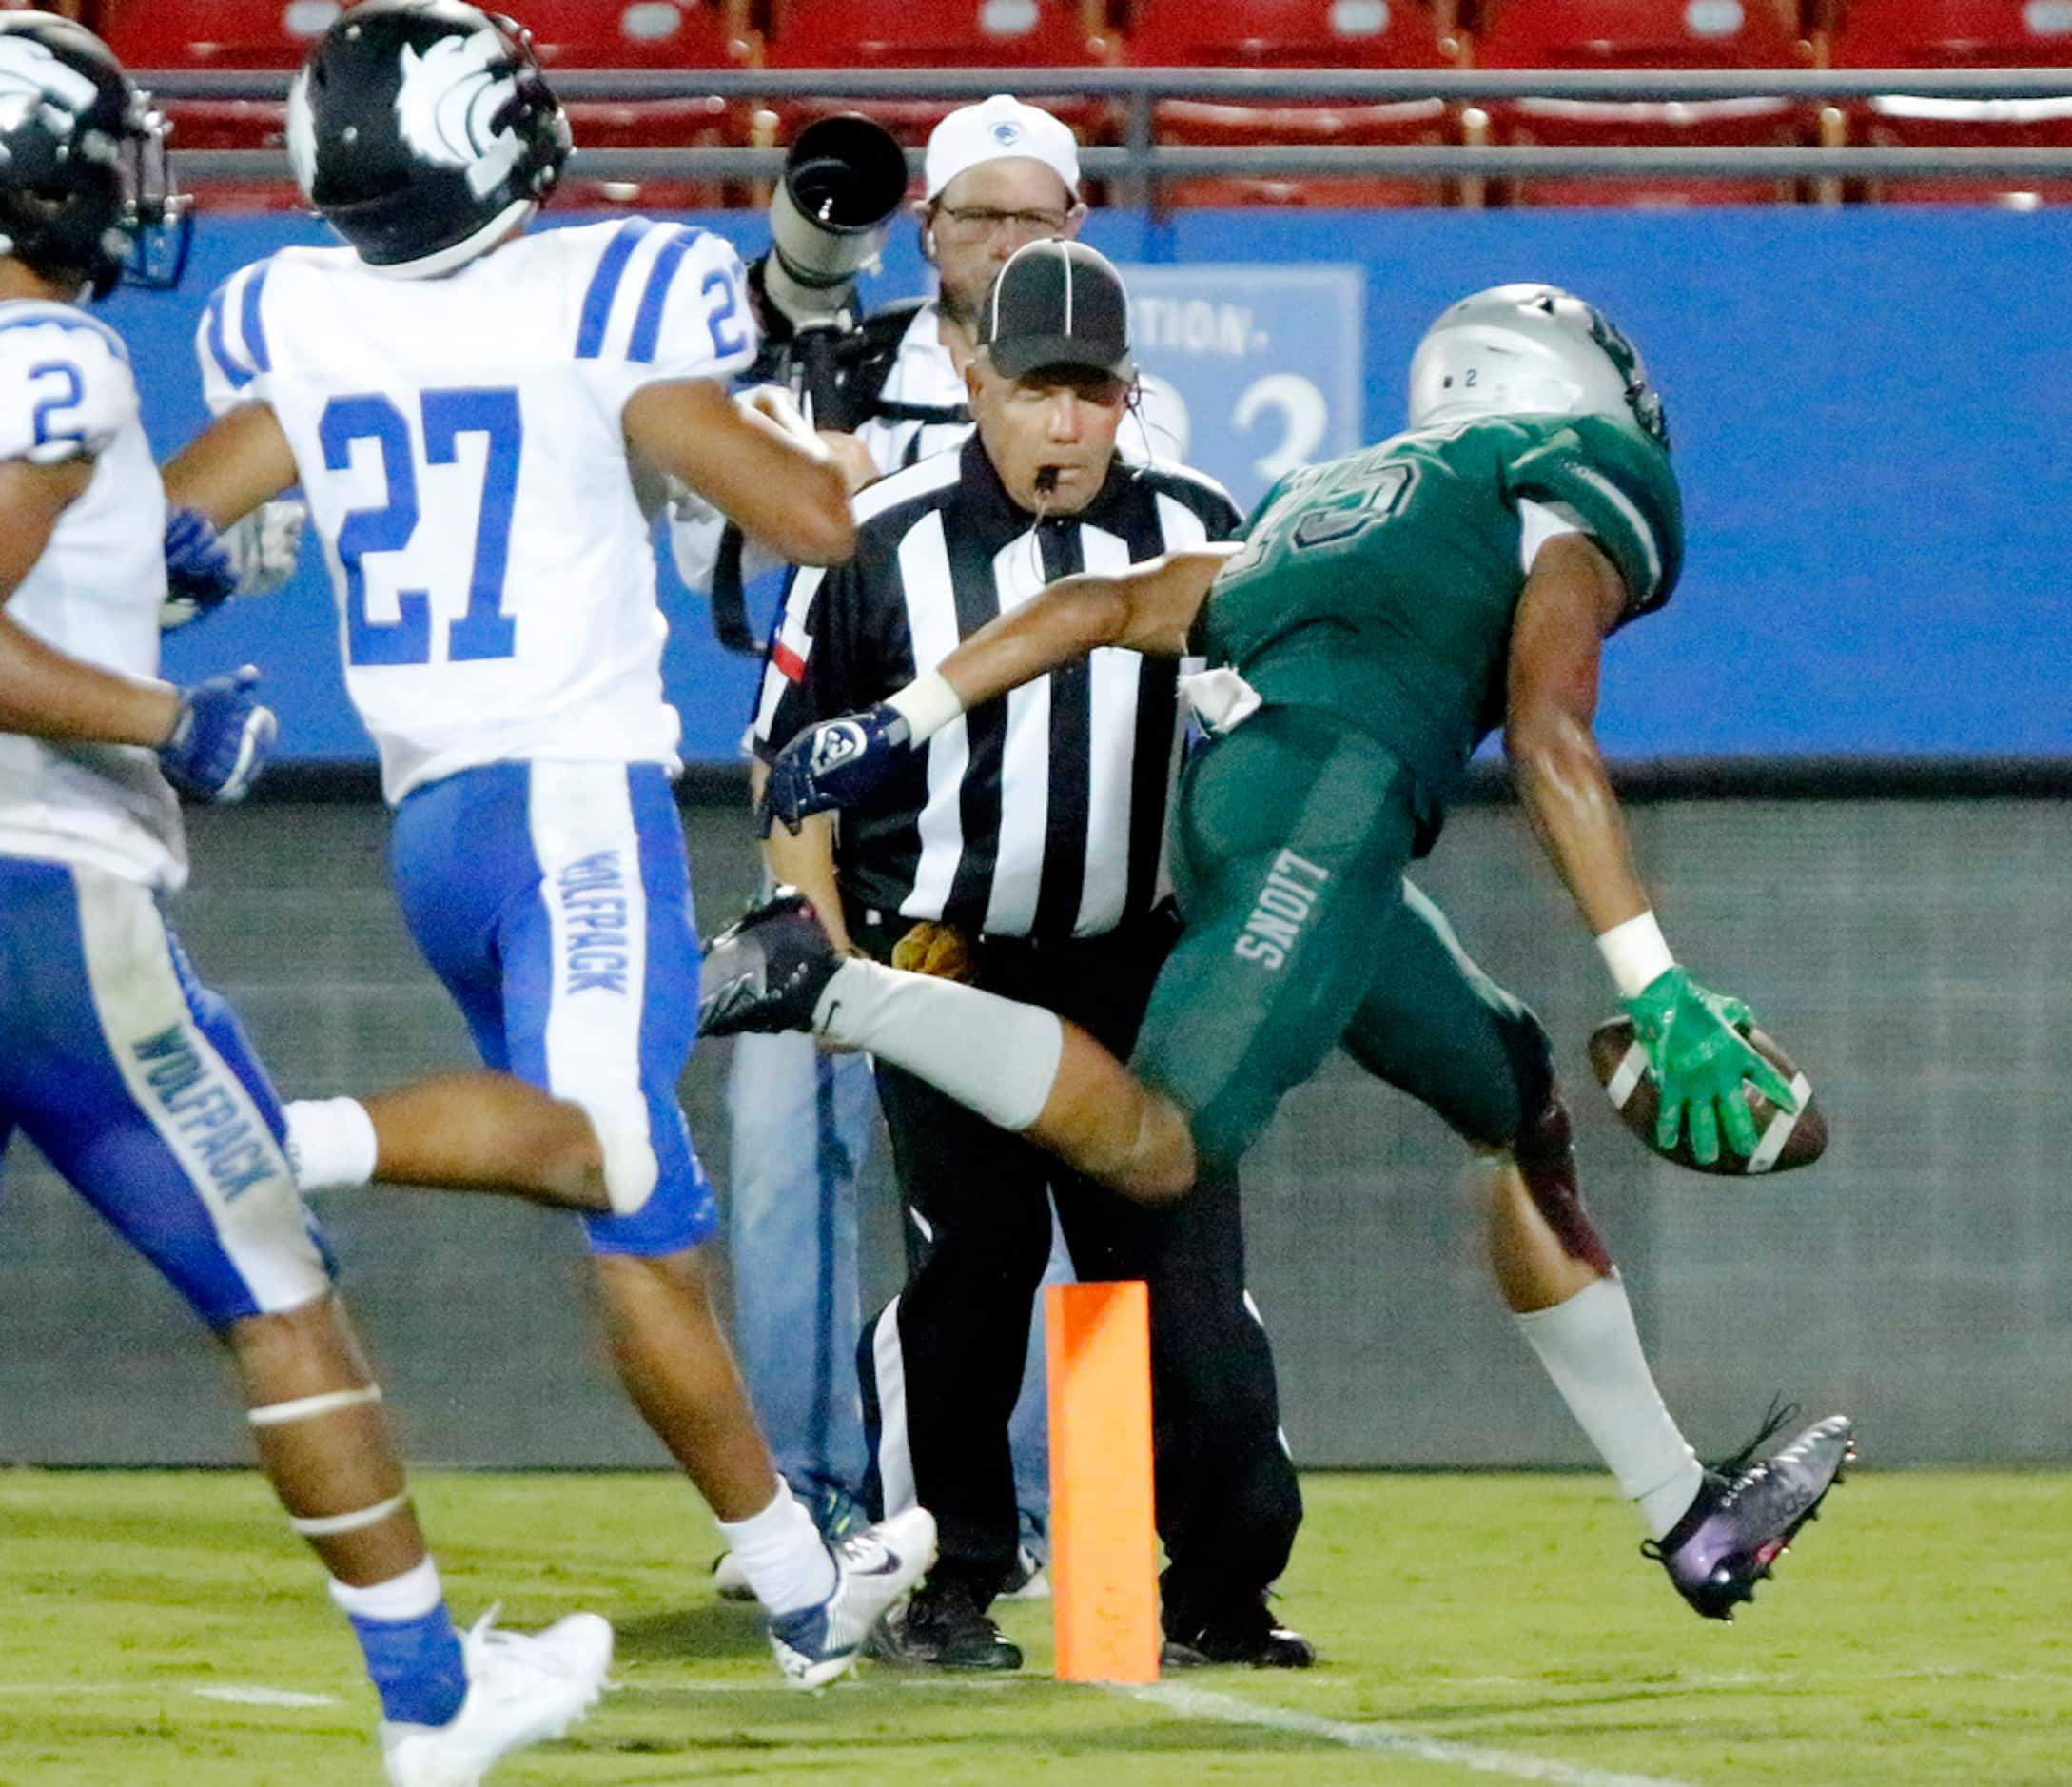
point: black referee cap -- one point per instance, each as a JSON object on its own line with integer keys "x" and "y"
{"x": 1058, "y": 303}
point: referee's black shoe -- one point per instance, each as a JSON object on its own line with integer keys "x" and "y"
{"x": 945, "y": 1626}
{"x": 767, "y": 970}
{"x": 1246, "y": 1633}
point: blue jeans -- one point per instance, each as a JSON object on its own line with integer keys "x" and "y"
{"x": 801, "y": 1125}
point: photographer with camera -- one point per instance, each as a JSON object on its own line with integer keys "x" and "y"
{"x": 885, "y": 391}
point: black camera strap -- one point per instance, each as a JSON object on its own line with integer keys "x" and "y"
{"x": 729, "y": 600}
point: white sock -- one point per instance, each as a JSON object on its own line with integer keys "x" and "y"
{"x": 995, "y": 1055}
{"x": 330, "y": 1143}
{"x": 1592, "y": 1351}
{"x": 410, "y": 1595}
{"x": 781, "y": 1553}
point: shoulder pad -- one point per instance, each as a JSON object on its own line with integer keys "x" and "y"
{"x": 230, "y": 340}
{"x": 1620, "y": 490}
{"x": 66, "y": 387}
{"x": 663, "y": 301}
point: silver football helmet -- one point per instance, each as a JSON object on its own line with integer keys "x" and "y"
{"x": 1530, "y": 350}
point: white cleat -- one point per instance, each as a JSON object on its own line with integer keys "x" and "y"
{"x": 524, "y": 1688}
{"x": 874, "y": 1568}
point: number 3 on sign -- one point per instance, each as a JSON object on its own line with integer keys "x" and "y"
{"x": 483, "y": 630}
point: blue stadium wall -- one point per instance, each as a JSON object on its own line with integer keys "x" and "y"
{"x": 1870, "y": 413}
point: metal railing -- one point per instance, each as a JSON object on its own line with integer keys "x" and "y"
{"x": 1142, "y": 162}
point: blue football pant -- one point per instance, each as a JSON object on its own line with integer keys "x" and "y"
{"x": 139, "y": 1085}
{"x": 553, "y": 901}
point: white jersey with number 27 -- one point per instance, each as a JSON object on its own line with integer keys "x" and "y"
{"x": 460, "y": 443}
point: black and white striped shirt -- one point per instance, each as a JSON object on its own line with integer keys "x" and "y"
{"x": 1042, "y": 814}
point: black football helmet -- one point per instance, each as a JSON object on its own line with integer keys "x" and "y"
{"x": 422, "y": 130}
{"x": 86, "y": 189}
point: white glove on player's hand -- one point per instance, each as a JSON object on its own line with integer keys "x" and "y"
{"x": 263, "y": 547}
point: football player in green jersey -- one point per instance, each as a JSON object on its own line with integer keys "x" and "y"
{"x": 1384, "y": 614}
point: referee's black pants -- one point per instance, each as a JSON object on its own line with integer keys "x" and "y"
{"x": 941, "y": 1365}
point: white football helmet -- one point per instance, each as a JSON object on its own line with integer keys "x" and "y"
{"x": 1530, "y": 350}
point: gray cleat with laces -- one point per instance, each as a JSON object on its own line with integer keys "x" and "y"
{"x": 1747, "y": 1513}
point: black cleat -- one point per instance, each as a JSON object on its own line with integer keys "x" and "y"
{"x": 1247, "y": 1634}
{"x": 767, "y": 970}
{"x": 1747, "y": 1513}
{"x": 945, "y": 1626}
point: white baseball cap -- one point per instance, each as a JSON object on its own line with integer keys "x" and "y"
{"x": 993, "y": 130}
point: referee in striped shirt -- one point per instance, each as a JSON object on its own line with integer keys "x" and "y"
{"x": 1025, "y": 852}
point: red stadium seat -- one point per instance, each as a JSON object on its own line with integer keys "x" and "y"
{"x": 1646, "y": 35}
{"x": 1286, "y": 34}
{"x": 932, "y": 33}
{"x": 1003, "y": 34}
{"x": 213, "y": 33}
{"x": 1952, "y": 33}
{"x": 646, "y": 35}
{"x": 637, "y": 33}
{"x": 1957, "y": 33}
{"x": 566, "y": 33}
{"x": 220, "y": 34}
{"x": 1295, "y": 33}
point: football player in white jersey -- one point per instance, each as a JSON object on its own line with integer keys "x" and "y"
{"x": 464, "y": 404}
{"x": 135, "y": 1080}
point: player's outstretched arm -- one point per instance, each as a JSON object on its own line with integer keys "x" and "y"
{"x": 1149, "y": 607}
{"x": 1572, "y": 600}
{"x": 756, "y": 461}
{"x": 240, "y": 460}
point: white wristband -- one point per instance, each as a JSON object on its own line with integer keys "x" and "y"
{"x": 927, "y": 704}
{"x": 1635, "y": 954}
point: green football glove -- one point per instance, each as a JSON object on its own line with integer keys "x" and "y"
{"x": 1699, "y": 1056}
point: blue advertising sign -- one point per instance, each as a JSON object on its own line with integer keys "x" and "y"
{"x": 1256, "y": 368}
{"x": 1868, "y": 411}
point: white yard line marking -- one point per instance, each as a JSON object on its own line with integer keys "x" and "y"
{"x": 263, "y": 1696}
{"x": 1412, "y": 1746}
{"x": 236, "y": 1695}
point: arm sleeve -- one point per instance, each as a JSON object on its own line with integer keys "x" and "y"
{"x": 1618, "y": 490}
{"x": 230, "y": 341}
{"x": 65, "y": 390}
{"x": 659, "y": 303}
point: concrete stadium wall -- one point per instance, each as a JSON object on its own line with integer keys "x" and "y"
{"x": 1915, "y": 954}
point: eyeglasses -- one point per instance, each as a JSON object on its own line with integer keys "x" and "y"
{"x": 980, "y": 223}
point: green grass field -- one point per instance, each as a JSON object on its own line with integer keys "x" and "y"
{"x": 1472, "y": 1627}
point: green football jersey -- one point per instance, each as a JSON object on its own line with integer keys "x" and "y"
{"x": 1381, "y": 586}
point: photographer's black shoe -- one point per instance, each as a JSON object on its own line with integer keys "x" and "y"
{"x": 944, "y": 1627}
{"x": 1247, "y": 1634}
{"x": 1747, "y": 1513}
{"x": 767, "y": 970}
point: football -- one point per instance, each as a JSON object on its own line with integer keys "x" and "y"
{"x": 1784, "y": 1139}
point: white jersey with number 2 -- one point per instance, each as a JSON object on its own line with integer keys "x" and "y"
{"x": 460, "y": 440}
{"x": 66, "y": 394}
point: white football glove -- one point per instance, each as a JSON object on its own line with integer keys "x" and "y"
{"x": 263, "y": 547}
